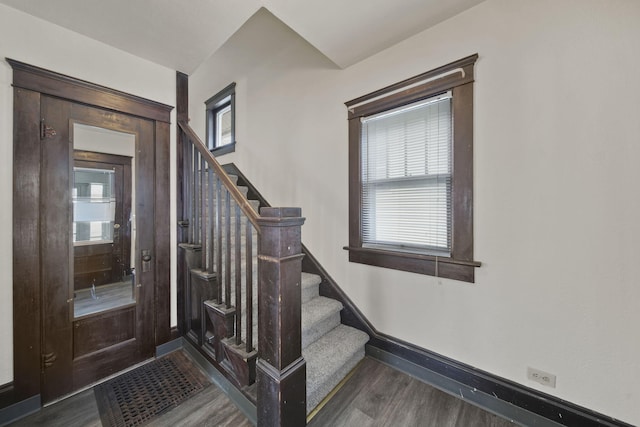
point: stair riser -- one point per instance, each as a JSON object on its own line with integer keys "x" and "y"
{"x": 311, "y": 333}
{"x": 315, "y": 395}
{"x": 309, "y": 293}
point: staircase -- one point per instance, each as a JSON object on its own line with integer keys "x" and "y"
{"x": 330, "y": 349}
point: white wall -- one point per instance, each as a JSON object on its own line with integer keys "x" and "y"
{"x": 557, "y": 125}
{"x": 39, "y": 43}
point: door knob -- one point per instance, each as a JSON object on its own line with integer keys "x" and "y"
{"x": 146, "y": 260}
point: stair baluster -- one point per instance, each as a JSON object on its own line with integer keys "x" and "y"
{"x": 248, "y": 294}
{"x": 238, "y": 272}
{"x": 218, "y": 237}
{"x": 202, "y": 218}
{"x": 210, "y": 221}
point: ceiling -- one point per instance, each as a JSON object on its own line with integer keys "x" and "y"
{"x": 181, "y": 35}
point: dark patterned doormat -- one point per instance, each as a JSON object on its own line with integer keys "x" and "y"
{"x": 138, "y": 396}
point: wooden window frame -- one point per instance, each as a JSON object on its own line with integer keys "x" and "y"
{"x": 219, "y": 101}
{"x": 457, "y": 77}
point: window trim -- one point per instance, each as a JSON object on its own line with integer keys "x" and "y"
{"x": 226, "y": 97}
{"x": 458, "y": 78}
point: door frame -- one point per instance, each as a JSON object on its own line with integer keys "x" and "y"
{"x": 30, "y": 83}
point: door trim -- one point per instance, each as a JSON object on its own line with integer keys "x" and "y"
{"x": 48, "y": 82}
{"x": 29, "y": 83}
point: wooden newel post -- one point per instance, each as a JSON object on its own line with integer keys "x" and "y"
{"x": 281, "y": 370}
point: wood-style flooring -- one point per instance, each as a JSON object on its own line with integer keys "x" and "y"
{"x": 378, "y": 395}
{"x": 375, "y": 395}
{"x": 211, "y": 407}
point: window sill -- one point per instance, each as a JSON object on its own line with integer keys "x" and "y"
{"x": 448, "y": 268}
{"x": 225, "y": 149}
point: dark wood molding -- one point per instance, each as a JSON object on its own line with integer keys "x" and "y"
{"x": 182, "y": 97}
{"x": 462, "y": 183}
{"x": 6, "y": 390}
{"x": 7, "y": 397}
{"x": 458, "y": 78}
{"x": 13, "y": 410}
{"x": 90, "y": 156}
{"x": 220, "y": 100}
{"x": 26, "y": 244}
{"x": 216, "y": 100}
{"x": 225, "y": 149}
{"x": 175, "y": 334}
{"x": 175, "y": 344}
{"x": 182, "y": 113}
{"x": 47, "y": 82}
{"x": 355, "y": 172}
{"x": 415, "y": 263}
{"x": 162, "y": 236}
{"x": 414, "y": 88}
{"x": 281, "y": 369}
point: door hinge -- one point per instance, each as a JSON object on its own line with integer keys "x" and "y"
{"x": 48, "y": 359}
{"x": 46, "y": 131}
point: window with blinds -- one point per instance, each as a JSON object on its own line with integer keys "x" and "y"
{"x": 406, "y": 177}
{"x": 411, "y": 174}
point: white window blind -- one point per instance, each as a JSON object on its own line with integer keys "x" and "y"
{"x": 223, "y": 126}
{"x": 406, "y": 177}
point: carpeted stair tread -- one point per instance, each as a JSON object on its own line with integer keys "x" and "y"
{"x": 330, "y": 359}
{"x": 243, "y": 189}
{"x": 319, "y": 316}
{"x": 310, "y": 286}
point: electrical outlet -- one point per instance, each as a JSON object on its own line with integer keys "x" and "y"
{"x": 541, "y": 377}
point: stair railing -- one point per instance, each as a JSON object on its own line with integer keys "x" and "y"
{"x": 224, "y": 232}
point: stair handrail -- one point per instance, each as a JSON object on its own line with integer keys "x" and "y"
{"x": 237, "y": 196}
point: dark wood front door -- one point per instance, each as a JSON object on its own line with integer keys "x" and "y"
{"x": 81, "y": 347}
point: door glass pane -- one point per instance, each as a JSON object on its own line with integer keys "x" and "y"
{"x": 103, "y": 220}
{"x": 94, "y": 205}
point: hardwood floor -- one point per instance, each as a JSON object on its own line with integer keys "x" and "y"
{"x": 211, "y": 407}
{"x": 375, "y": 395}
{"x": 79, "y": 410}
{"x": 378, "y": 395}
